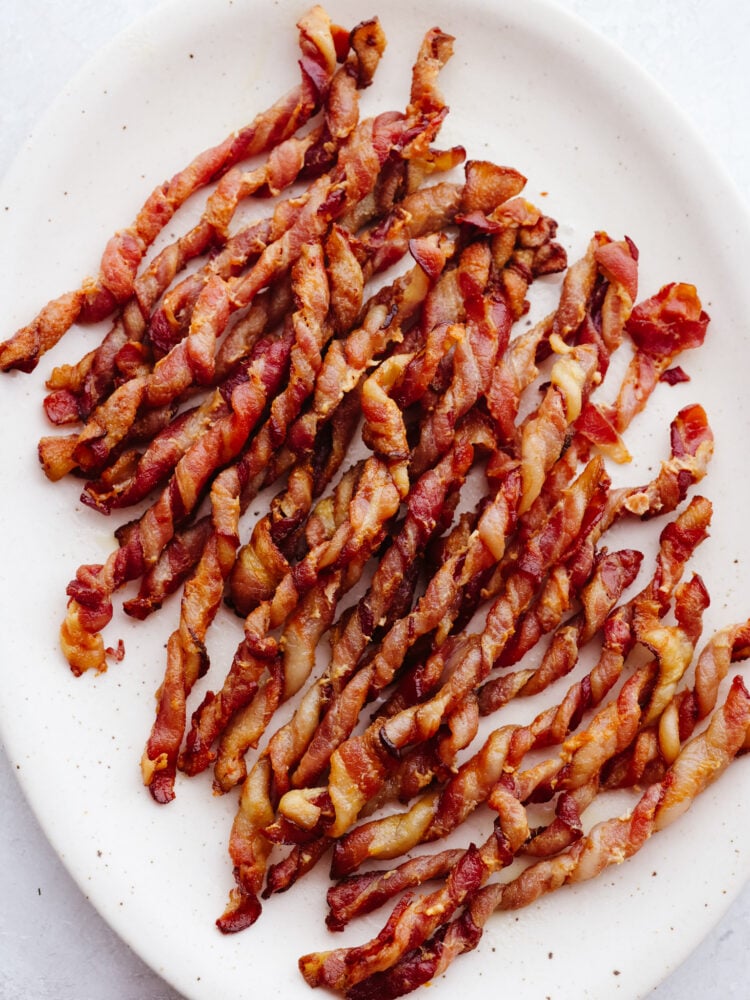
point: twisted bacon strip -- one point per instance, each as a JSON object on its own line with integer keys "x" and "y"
{"x": 186, "y": 657}
{"x": 361, "y": 764}
{"x": 192, "y": 359}
{"x": 661, "y": 328}
{"x": 437, "y": 813}
{"x": 90, "y": 605}
{"x": 699, "y": 763}
{"x": 78, "y": 389}
{"x": 320, "y": 42}
{"x": 613, "y": 573}
{"x": 657, "y": 745}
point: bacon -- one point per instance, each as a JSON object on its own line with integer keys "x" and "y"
{"x": 90, "y": 605}
{"x": 373, "y": 502}
{"x": 614, "y": 572}
{"x": 359, "y": 894}
{"x": 95, "y": 299}
{"x": 661, "y": 328}
{"x": 313, "y": 154}
{"x": 431, "y": 611}
{"x": 658, "y": 745}
{"x": 438, "y": 813}
{"x": 410, "y": 923}
{"x": 344, "y": 689}
{"x": 289, "y": 664}
{"x": 609, "y": 842}
{"x": 197, "y": 612}
{"x": 489, "y": 313}
{"x": 192, "y": 359}
{"x": 360, "y": 765}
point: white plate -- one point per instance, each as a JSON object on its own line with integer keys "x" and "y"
{"x": 528, "y": 87}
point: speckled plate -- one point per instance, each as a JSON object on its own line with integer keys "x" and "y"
{"x": 602, "y": 149}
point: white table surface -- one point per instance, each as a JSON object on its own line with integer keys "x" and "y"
{"x": 53, "y": 944}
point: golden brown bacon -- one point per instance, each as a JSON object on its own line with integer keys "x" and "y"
{"x": 384, "y": 422}
{"x": 90, "y": 604}
{"x": 368, "y": 148}
{"x": 340, "y": 696}
{"x": 270, "y": 348}
{"x": 611, "y": 841}
{"x": 438, "y": 813}
{"x": 259, "y": 648}
{"x": 361, "y": 764}
{"x": 203, "y": 593}
{"x": 319, "y": 40}
{"x": 613, "y": 573}
{"x": 379, "y": 417}
{"x": 192, "y": 360}
{"x": 657, "y": 745}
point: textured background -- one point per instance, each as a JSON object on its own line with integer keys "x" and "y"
{"x": 52, "y": 942}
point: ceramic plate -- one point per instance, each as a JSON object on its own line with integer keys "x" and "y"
{"x": 602, "y": 149}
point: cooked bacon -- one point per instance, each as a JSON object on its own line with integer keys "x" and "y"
{"x": 379, "y": 420}
{"x": 230, "y": 494}
{"x": 359, "y": 894}
{"x": 115, "y": 490}
{"x": 518, "y": 366}
{"x": 434, "y": 609}
{"x": 90, "y": 604}
{"x": 192, "y": 359}
{"x": 309, "y": 155}
{"x": 171, "y": 569}
{"x": 438, "y": 813}
{"x": 341, "y": 696}
{"x": 658, "y": 745}
{"x": 661, "y": 328}
{"x": 95, "y": 299}
{"x": 86, "y": 386}
{"x": 249, "y": 849}
{"x": 672, "y": 645}
{"x": 489, "y": 313}
{"x": 246, "y": 702}
{"x": 360, "y": 765}
{"x": 373, "y": 503}
{"x": 610, "y": 842}
{"x": 614, "y": 572}
{"x": 411, "y": 922}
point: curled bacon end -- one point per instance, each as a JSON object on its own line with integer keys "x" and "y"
{"x": 242, "y": 912}
{"x": 594, "y": 424}
{"x": 673, "y": 320}
{"x": 618, "y": 261}
{"x": 689, "y": 430}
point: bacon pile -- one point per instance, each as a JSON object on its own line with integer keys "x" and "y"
{"x": 427, "y": 451}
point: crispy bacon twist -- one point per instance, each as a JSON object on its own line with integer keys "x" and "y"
{"x": 320, "y": 42}
{"x": 610, "y": 842}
